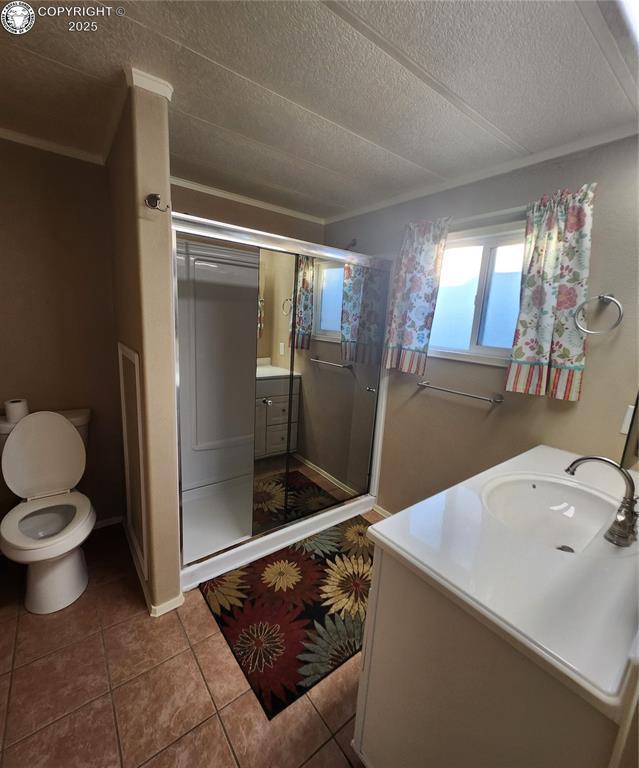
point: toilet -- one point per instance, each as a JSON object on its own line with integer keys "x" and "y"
{"x": 43, "y": 459}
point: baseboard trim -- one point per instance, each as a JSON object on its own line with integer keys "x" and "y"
{"x": 242, "y": 555}
{"x": 380, "y": 510}
{"x": 104, "y": 523}
{"x": 155, "y": 610}
{"x": 327, "y": 475}
{"x": 168, "y": 605}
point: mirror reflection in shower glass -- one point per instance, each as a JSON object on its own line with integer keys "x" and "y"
{"x": 314, "y": 421}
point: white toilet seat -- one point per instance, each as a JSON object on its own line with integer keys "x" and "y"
{"x": 22, "y": 548}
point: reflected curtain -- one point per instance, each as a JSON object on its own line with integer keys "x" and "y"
{"x": 414, "y": 296}
{"x": 363, "y": 313}
{"x": 548, "y": 355}
{"x": 260, "y": 317}
{"x": 300, "y": 337}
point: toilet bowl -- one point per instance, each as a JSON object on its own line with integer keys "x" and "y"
{"x": 43, "y": 459}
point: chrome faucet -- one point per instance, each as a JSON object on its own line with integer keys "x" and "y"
{"x": 623, "y": 530}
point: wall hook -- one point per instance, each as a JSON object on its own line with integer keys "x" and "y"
{"x": 153, "y": 201}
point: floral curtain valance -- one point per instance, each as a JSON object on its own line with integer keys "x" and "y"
{"x": 363, "y": 313}
{"x": 302, "y": 319}
{"x": 414, "y": 296}
{"x": 548, "y": 355}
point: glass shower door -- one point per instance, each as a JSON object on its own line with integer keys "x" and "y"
{"x": 316, "y": 389}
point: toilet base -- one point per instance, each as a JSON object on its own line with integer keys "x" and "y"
{"x": 54, "y": 584}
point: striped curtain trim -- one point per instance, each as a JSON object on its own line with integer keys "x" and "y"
{"x": 349, "y": 351}
{"x": 358, "y": 352}
{"x": 301, "y": 341}
{"x": 565, "y": 383}
{"x": 527, "y": 379}
{"x": 560, "y": 382}
{"x": 405, "y": 360}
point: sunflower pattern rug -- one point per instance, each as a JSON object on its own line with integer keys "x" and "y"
{"x": 294, "y": 616}
{"x": 282, "y": 498}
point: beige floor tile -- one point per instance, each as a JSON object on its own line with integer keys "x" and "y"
{"x": 286, "y": 741}
{"x": 204, "y": 747}
{"x": 40, "y": 634}
{"x": 372, "y": 516}
{"x": 84, "y": 739}
{"x": 5, "y": 682}
{"x": 138, "y": 644}
{"x": 7, "y": 643}
{"x": 335, "y": 696}
{"x": 196, "y": 617}
{"x": 344, "y": 737}
{"x": 158, "y": 707}
{"x": 222, "y": 673}
{"x": 55, "y": 685}
{"x": 329, "y": 756}
{"x": 119, "y": 600}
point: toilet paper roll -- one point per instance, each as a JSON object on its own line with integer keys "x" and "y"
{"x": 15, "y": 409}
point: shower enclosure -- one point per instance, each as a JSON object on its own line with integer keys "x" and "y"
{"x": 279, "y": 357}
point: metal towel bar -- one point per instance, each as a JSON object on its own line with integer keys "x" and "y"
{"x": 495, "y": 399}
{"x": 335, "y": 365}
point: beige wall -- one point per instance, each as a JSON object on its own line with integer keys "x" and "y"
{"x": 244, "y": 215}
{"x": 432, "y": 441}
{"x": 57, "y": 333}
{"x": 277, "y": 277}
{"x": 138, "y": 164}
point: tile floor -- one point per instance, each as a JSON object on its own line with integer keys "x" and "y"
{"x": 101, "y": 684}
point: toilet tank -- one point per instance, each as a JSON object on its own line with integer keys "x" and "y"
{"x": 79, "y": 417}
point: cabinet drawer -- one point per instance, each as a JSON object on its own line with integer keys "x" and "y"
{"x": 278, "y": 412}
{"x": 276, "y": 438}
{"x": 275, "y": 387}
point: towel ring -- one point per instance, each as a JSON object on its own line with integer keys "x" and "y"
{"x": 604, "y": 298}
{"x": 287, "y": 306}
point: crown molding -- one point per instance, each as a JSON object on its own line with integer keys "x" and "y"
{"x": 214, "y": 192}
{"x": 607, "y": 137}
{"x": 135, "y": 77}
{"x": 51, "y": 146}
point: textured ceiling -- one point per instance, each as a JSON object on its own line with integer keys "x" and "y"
{"x": 329, "y": 107}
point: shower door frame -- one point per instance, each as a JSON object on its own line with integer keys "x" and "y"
{"x": 268, "y": 542}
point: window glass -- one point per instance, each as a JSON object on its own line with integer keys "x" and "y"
{"x": 331, "y": 299}
{"x": 455, "y": 310}
{"x": 501, "y": 306}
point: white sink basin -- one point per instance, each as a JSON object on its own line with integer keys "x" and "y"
{"x": 556, "y": 512}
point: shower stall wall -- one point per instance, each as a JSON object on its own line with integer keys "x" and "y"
{"x": 277, "y": 436}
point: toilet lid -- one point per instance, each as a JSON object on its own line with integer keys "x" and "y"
{"x": 44, "y": 454}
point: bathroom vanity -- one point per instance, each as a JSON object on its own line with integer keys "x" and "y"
{"x": 274, "y": 410}
{"x": 502, "y": 626}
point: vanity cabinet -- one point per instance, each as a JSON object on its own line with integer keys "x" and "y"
{"x": 273, "y": 410}
{"x": 486, "y": 647}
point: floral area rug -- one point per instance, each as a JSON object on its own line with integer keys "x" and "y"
{"x": 285, "y": 497}
{"x": 293, "y": 617}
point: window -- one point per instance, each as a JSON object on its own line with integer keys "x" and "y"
{"x": 329, "y": 282}
{"x": 478, "y": 300}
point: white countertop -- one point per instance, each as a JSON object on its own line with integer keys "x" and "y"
{"x": 578, "y": 611}
{"x": 273, "y": 372}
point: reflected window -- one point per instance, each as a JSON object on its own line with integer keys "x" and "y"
{"x": 328, "y": 301}
{"x": 479, "y": 294}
